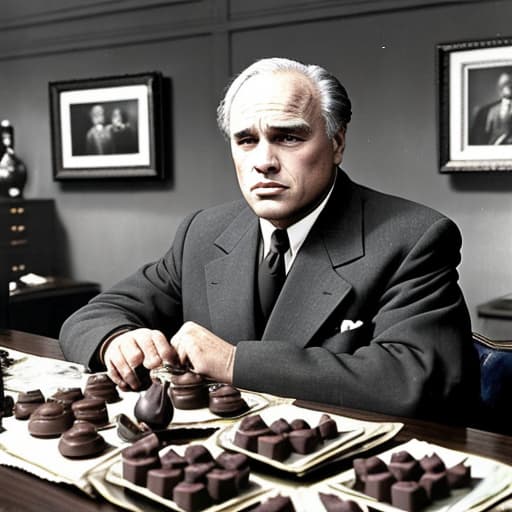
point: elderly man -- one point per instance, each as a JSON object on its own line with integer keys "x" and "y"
{"x": 367, "y": 312}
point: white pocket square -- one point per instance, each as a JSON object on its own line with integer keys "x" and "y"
{"x": 348, "y": 325}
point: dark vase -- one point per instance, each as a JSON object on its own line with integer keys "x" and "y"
{"x": 13, "y": 173}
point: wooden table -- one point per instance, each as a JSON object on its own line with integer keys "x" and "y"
{"x": 20, "y": 491}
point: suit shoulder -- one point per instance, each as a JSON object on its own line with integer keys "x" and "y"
{"x": 222, "y": 212}
{"x": 397, "y": 207}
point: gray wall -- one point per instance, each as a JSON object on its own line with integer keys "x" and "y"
{"x": 384, "y": 52}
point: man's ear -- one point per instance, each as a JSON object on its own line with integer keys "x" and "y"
{"x": 338, "y": 144}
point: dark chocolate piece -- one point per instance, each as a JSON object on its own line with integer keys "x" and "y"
{"x": 435, "y": 485}
{"x": 229, "y": 460}
{"x": 50, "y": 420}
{"x": 253, "y": 422}
{"x": 100, "y": 385}
{"x": 276, "y": 447}
{"x": 432, "y": 464}
{"x": 93, "y": 410}
{"x": 147, "y": 445}
{"x": 135, "y": 469}
{"x": 221, "y": 484}
{"x": 327, "y": 427}
{"x": 197, "y": 472}
{"x": 410, "y": 470}
{"x": 242, "y": 477}
{"x": 81, "y": 441}
{"x": 276, "y": 504}
{"x": 333, "y": 503}
{"x": 280, "y": 426}
{"x": 378, "y": 485}
{"x": 402, "y": 456}
{"x": 154, "y": 406}
{"x": 195, "y": 453}
{"x": 191, "y": 497}
{"x": 248, "y": 439}
{"x": 226, "y": 401}
{"x": 299, "y": 424}
{"x": 172, "y": 460}
{"x": 459, "y": 476}
{"x": 188, "y": 391}
{"x": 139, "y": 458}
{"x": 304, "y": 441}
{"x": 409, "y": 496}
{"x": 364, "y": 466}
{"x": 27, "y": 403}
{"x": 162, "y": 481}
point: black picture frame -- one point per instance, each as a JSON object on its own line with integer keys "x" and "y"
{"x": 108, "y": 127}
{"x": 474, "y": 134}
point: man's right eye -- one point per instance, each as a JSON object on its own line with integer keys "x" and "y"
{"x": 246, "y": 141}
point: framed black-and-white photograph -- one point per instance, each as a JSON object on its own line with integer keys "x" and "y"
{"x": 475, "y": 105}
{"x": 107, "y": 127}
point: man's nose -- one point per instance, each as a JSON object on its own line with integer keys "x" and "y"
{"x": 265, "y": 159}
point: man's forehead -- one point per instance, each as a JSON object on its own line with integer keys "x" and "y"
{"x": 279, "y": 100}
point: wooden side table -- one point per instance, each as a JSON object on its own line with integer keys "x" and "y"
{"x": 42, "y": 309}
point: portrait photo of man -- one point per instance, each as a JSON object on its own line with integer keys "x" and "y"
{"x": 490, "y": 106}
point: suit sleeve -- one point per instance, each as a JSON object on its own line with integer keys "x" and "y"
{"x": 150, "y": 298}
{"x": 417, "y": 359}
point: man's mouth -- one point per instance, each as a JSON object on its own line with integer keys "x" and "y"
{"x": 267, "y": 188}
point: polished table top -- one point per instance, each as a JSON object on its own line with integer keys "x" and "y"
{"x": 17, "y": 487}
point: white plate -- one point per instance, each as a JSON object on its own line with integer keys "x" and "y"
{"x": 492, "y": 480}
{"x": 256, "y": 488}
{"x": 352, "y": 432}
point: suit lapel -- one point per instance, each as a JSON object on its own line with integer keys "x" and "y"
{"x": 230, "y": 279}
{"x": 315, "y": 281}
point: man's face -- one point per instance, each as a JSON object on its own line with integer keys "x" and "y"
{"x": 505, "y": 85}
{"x": 285, "y": 162}
{"x": 98, "y": 115}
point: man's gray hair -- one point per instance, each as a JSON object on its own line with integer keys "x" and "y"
{"x": 334, "y": 100}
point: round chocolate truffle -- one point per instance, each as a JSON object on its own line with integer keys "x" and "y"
{"x": 81, "y": 441}
{"x": 92, "y": 410}
{"x": 226, "y": 400}
{"x": 27, "y": 403}
{"x": 100, "y": 385}
{"x": 50, "y": 420}
{"x": 67, "y": 396}
{"x": 188, "y": 391}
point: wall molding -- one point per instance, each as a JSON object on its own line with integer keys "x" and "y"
{"x": 33, "y": 34}
{"x": 93, "y": 8}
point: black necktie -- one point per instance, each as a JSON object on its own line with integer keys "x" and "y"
{"x": 272, "y": 273}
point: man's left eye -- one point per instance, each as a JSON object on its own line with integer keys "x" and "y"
{"x": 288, "y": 138}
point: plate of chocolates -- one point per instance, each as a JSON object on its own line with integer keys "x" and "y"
{"x": 196, "y": 400}
{"x": 422, "y": 477}
{"x": 189, "y": 478}
{"x": 290, "y": 438}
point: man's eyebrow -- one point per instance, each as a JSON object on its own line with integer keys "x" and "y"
{"x": 243, "y": 133}
{"x": 292, "y": 127}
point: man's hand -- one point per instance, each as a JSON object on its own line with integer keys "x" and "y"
{"x": 134, "y": 348}
{"x": 208, "y": 354}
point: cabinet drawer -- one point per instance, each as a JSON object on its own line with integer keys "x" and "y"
{"x": 22, "y": 262}
{"x": 25, "y": 223}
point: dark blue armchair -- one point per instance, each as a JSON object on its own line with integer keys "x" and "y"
{"x": 495, "y": 383}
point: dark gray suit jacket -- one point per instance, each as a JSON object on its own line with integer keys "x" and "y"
{"x": 373, "y": 260}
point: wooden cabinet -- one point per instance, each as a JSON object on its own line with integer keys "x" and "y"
{"x": 28, "y": 245}
{"x": 27, "y": 236}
